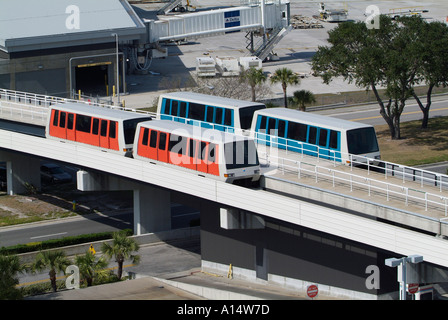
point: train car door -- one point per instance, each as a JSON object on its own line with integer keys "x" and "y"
{"x": 162, "y": 146}
{"x": 201, "y": 156}
{"x": 212, "y": 159}
{"x": 71, "y": 133}
{"x": 310, "y": 148}
{"x": 57, "y": 124}
{"x": 322, "y": 142}
{"x": 190, "y": 159}
{"x": 281, "y": 134}
{"x": 95, "y": 132}
{"x": 104, "y": 134}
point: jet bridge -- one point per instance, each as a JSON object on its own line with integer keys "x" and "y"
{"x": 263, "y": 19}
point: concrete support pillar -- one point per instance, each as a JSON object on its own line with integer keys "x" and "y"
{"x": 21, "y": 171}
{"x": 152, "y": 206}
{"x": 152, "y": 210}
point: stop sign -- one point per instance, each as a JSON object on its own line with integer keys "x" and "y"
{"x": 412, "y": 288}
{"x": 312, "y": 291}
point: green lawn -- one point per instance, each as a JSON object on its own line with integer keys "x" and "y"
{"x": 417, "y": 146}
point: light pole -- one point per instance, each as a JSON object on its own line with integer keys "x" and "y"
{"x": 118, "y": 68}
{"x": 402, "y": 262}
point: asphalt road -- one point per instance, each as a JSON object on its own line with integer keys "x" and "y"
{"x": 92, "y": 223}
{"x": 370, "y": 113}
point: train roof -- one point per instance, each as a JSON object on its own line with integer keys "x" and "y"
{"x": 209, "y": 99}
{"x": 312, "y": 118}
{"x": 192, "y": 131}
{"x": 85, "y": 109}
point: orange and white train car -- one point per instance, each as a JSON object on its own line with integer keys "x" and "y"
{"x": 110, "y": 130}
{"x": 205, "y": 152}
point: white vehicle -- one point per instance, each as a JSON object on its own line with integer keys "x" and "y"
{"x": 316, "y": 135}
{"x": 204, "y": 152}
{"x": 207, "y": 111}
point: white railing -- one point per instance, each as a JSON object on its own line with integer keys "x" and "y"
{"x": 354, "y": 182}
{"x": 13, "y": 110}
{"x": 34, "y": 106}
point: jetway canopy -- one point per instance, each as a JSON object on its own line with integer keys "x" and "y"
{"x": 214, "y": 22}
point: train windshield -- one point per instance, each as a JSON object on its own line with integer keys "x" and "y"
{"x": 129, "y": 127}
{"x": 362, "y": 141}
{"x": 240, "y": 154}
{"x": 246, "y": 115}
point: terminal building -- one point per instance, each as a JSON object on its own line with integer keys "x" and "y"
{"x": 57, "y": 48}
{"x": 61, "y": 48}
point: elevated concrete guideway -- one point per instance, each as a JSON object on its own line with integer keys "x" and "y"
{"x": 317, "y": 215}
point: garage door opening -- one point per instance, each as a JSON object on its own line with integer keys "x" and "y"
{"x": 92, "y": 80}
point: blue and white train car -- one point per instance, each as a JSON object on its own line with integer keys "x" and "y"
{"x": 207, "y": 111}
{"x": 316, "y": 135}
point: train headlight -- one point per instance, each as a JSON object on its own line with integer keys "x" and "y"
{"x": 229, "y": 175}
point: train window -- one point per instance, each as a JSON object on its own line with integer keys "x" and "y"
{"x": 201, "y": 154}
{"x": 56, "y": 117}
{"x": 183, "y": 109}
{"x": 228, "y": 117}
{"x": 312, "y": 135}
{"x": 211, "y": 152}
{"x": 192, "y": 148}
{"x": 83, "y": 123}
{"x": 174, "y": 139}
{"x": 62, "y": 119}
{"x": 167, "y": 107}
{"x": 177, "y": 144}
{"x": 323, "y": 133}
{"x": 95, "y": 126}
{"x": 196, "y": 112}
{"x": 246, "y": 115}
{"x": 218, "y": 116}
{"x": 162, "y": 141}
{"x": 281, "y": 128}
{"x": 262, "y": 121}
{"x": 271, "y": 129}
{"x": 209, "y": 115}
{"x": 153, "y": 139}
{"x": 70, "y": 119}
{"x": 145, "y": 136}
{"x": 103, "y": 130}
{"x": 240, "y": 154}
{"x": 113, "y": 129}
{"x": 333, "y": 139}
{"x": 174, "y": 107}
{"x": 362, "y": 140}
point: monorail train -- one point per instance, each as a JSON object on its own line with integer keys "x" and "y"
{"x": 315, "y": 135}
{"x": 109, "y": 129}
{"x": 206, "y": 152}
{"x": 207, "y": 111}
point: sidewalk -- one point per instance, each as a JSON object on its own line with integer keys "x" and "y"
{"x": 189, "y": 285}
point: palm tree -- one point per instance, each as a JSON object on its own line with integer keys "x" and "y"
{"x": 286, "y": 77}
{"x": 121, "y": 247}
{"x": 302, "y": 97}
{"x": 9, "y": 267}
{"x": 91, "y": 268}
{"x": 56, "y": 261}
{"x": 254, "y": 76}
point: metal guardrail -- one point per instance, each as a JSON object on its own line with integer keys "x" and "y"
{"x": 22, "y": 103}
{"x": 352, "y": 181}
